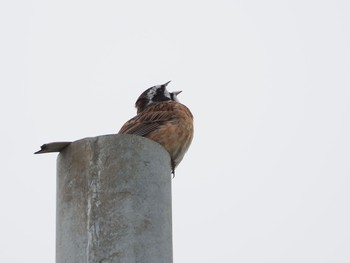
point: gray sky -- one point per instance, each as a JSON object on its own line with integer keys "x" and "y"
{"x": 267, "y": 177}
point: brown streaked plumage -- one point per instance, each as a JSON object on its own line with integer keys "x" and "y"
{"x": 164, "y": 120}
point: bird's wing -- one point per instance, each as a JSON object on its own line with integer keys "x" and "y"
{"x": 149, "y": 120}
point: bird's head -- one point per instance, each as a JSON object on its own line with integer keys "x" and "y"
{"x": 155, "y": 94}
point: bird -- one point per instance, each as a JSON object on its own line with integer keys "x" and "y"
{"x": 163, "y": 119}
{"x": 160, "y": 117}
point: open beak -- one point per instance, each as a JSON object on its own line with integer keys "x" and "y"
{"x": 176, "y": 92}
{"x": 166, "y": 84}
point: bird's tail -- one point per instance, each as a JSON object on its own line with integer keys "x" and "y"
{"x": 53, "y": 147}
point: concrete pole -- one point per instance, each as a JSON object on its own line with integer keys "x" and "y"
{"x": 114, "y": 201}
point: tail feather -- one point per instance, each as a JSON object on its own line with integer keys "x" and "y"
{"x": 53, "y": 147}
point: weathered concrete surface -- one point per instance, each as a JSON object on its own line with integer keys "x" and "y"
{"x": 114, "y": 201}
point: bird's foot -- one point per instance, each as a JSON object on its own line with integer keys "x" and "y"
{"x": 173, "y": 168}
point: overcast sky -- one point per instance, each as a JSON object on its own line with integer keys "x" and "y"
{"x": 267, "y": 177}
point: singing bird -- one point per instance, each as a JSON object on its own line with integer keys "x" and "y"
{"x": 161, "y": 118}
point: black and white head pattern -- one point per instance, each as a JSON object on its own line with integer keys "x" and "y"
{"x": 154, "y": 94}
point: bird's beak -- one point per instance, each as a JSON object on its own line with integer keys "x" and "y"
{"x": 166, "y": 84}
{"x": 177, "y": 92}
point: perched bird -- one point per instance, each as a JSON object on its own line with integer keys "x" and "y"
{"x": 161, "y": 118}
